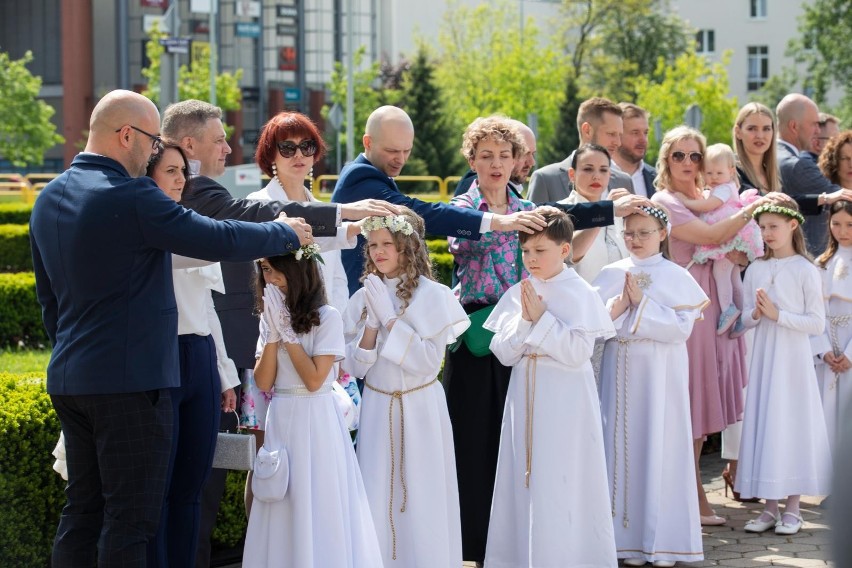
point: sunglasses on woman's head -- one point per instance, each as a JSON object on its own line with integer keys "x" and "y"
{"x": 694, "y": 157}
{"x": 288, "y": 149}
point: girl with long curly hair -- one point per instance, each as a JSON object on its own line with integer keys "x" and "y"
{"x": 307, "y": 486}
{"x": 397, "y": 329}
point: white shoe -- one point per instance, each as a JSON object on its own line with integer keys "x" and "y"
{"x": 634, "y": 562}
{"x": 789, "y": 528}
{"x": 758, "y": 526}
{"x": 664, "y": 563}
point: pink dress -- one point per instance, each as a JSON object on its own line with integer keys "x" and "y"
{"x": 717, "y": 371}
{"x": 748, "y": 238}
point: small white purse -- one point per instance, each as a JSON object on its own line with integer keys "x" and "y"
{"x": 271, "y": 475}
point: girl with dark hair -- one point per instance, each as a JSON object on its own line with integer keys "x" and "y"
{"x": 834, "y": 347}
{"x": 653, "y": 303}
{"x": 310, "y": 507}
{"x": 784, "y": 451}
{"x": 398, "y": 326}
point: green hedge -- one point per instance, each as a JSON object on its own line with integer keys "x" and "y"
{"x": 20, "y": 313}
{"x": 15, "y": 255}
{"x": 231, "y": 523}
{"x": 15, "y": 213}
{"x": 438, "y": 246}
{"x": 33, "y": 494}
{"x": 30, "y": 491}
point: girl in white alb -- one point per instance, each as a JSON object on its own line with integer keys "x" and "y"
{"x": 834, "y": 347}
{"x": 645, "y": 398}
{"x": 310, "y": 507}
{"x": 397, "y": 328}
{"x": 784, "y": 451}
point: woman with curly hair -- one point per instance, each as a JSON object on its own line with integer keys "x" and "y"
{"x": 310, "y": 507}
{"x": 397, "y": 328}
{"x": 476, "y": 382}
{"x": 835, "y": 161}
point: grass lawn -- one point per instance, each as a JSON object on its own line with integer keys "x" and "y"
{"x": 24, "y": 360}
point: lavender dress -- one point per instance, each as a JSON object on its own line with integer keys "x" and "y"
{"x": 717, "y": 372}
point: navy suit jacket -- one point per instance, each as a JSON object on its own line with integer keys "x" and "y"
{"x": 100, "y": 243}
{"x": 235, "y": 307}
{"x": 362, "y": 180}
{"x": 649, "y": 173}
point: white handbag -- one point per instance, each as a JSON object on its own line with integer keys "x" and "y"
{"x": 271, "y": 475}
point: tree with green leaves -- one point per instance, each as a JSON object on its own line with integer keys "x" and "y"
{"x": 435, "y": 141}
{"x": 614, "y": 42}
{"x": 691, "y": 79}
{"x": 823, "y": 47}
{"x": 194, "y": 80}
{"x": 26, "y": 132}
{"x": 486, "y": 67}
{"x": 565, "y": 138}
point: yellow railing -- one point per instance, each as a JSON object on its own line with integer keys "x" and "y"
{"x": 316, "y": 185}
{"x": 19, "y": 188}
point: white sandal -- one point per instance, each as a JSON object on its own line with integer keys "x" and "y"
{"x": 758, "y": 526}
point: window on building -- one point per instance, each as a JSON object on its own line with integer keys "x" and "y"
{"x": 705, "y": 41}
{"x": 758, "y": 66}
{"x": 758, "y": 8}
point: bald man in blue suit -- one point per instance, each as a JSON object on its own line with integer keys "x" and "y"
{"x": 101, "y": 240}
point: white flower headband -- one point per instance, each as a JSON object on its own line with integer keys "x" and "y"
{"x": 393, "y": 223}
{"x": 779, "y": 210}
{"x": 308, "y": 252}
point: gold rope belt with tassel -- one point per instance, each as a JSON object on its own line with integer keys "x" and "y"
{"x": 529, "y": 391}
{"x": 623, "y": 352}
{"x": 394, "y": 396}
{"x": 836, "y": 322}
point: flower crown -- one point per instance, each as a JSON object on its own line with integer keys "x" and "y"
{"x": 308, "y": 252}
{"x": 654, "y": 212}
{"x": 779, "y": 210}
{"x": 393, "y": 223}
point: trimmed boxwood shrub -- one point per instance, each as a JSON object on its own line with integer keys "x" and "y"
{"x": 31, "y": 493}
{"x": 20, "y": 313}
{"x": 442, "y": 266}
{"x": 438, "y": 246}
{"x": 15, "y": 255}
{"x": 231, "y": 523}
{"x": 15, "y": 213}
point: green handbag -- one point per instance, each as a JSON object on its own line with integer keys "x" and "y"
{"x": 477, "y": 338}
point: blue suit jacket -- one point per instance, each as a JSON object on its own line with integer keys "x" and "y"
{"x": 362, "y": 180}
{"x": 100, "y": 243}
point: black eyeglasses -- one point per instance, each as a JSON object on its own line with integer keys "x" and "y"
{"x": 694, "y": 157}
{"x": 288, "y": 149}
{"x": 156, "y": 141}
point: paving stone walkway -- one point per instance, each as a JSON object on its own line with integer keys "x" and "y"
{"x": 731, "y": 546}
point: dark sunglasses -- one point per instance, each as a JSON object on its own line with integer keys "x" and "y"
{"x": 156, "y": 141}
{"x": 288, "y": 149}
{"x": 694, "y": 157}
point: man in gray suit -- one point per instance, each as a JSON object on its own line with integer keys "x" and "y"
{"x": 598, "y": 122}
{"x": 798, "y": 125}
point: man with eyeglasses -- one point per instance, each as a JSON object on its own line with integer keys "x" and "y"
{"x": 101, "y": 234}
